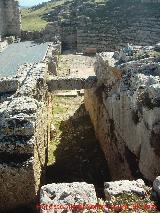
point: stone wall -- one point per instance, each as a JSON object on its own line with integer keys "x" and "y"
{"x": 107, "y": 25}
{"x": 1, "y": 18}
{"x": 9, "y": 18}
{"x": 25, "y": 116}
{"x": 125, "y": 111}
{"x": 112, "y": 144}
{"x": 71, "y": 83}
{"x": 117, "y": 23}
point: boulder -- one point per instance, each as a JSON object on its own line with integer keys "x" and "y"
{"x": 157, "y": 47}
{"x": 116, "y": 188}
{"x": 68, "y": 197}
{"x": 156, "y": 185}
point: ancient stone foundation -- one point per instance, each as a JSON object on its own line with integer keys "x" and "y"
{"x": 9, "y": 18}
{"x": 71, "y": 83}
{"x": 105, "y": 25}
{"x": 125, "y": 111}
{"x": 25, "y": 115}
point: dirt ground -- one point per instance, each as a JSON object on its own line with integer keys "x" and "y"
{"x": 76, "y": 65}
{"x": 75, "y": 154}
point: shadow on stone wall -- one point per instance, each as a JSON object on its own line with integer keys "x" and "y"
{"x": 78, "y": 156}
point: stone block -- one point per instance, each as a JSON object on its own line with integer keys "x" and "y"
{"x": 71, "y": 83}
{"x": 8, "y": 85}
{"x": 69, "y": 196}
{"x": 116, "y": 188}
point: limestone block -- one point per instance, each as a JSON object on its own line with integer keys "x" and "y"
{"x": 17, "y": 183}
{"x": 52, "y": 68}
{"x": 124, "y": 187}
{"x": 125, "y": 111}
{"x": 149, "y": 168}
{"x": 71, "y": 83}
{"x": 8, "y": 85}
{"x": 66, "y": 195}
{"x": 156, "y": 185}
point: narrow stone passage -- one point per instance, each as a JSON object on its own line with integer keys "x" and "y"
{"x": 74, "y": 153}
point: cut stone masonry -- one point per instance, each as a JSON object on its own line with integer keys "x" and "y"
{"x": 125, "y": 111}
{"x": 105, "y": 25}
{"x": 10, "y": 20}
{"x": 71, "y": 83}
{"x": 25, "y": 116}
{"x": 122, "y": 98}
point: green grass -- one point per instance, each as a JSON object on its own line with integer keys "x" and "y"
{"x": 74, "y": 155}
{"x": 61, "y": 105}
{"x": 58, "y": 110}
{"x": 32, "y": 19}
{"x": 134, "y": 203}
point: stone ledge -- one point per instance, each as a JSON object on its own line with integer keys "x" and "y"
{"x": 71, "y": 83}
{"x": 8, "y": 85}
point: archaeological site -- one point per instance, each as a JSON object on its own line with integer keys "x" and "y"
{"x": 80, "y": 106}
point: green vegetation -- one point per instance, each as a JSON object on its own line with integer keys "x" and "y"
{"x": 134, "y": 203}
{"x": 32, "y": 18}
{"x": 74, "y": 153}
{"x": 61, "y": 105}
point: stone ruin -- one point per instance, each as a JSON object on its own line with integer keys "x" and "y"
{"x": 10, "y": 22}
{"x": 125, "y": 110}
{"x": 9, "y": 18}
{"x": 25, "y": 112}
{"x": 86, "y": 24}
{"x": 122, "y": 98}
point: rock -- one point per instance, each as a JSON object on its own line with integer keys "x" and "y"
{"x": 126, "y": 110}
{"x": 157, "y": 47}
{"x": 71, "y": 83}
{"x": 52, "y": 131}
{"x": 68, "y": 195}
{"x": 156, "y": 129}
{"x": 124, "y": 186}
{"x": 156, "y": 185}
{"x": 52, "y": 68}
{"x": 8, "y": 85}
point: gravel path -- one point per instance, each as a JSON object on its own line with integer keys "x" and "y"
{"x": 19, "y": 53}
